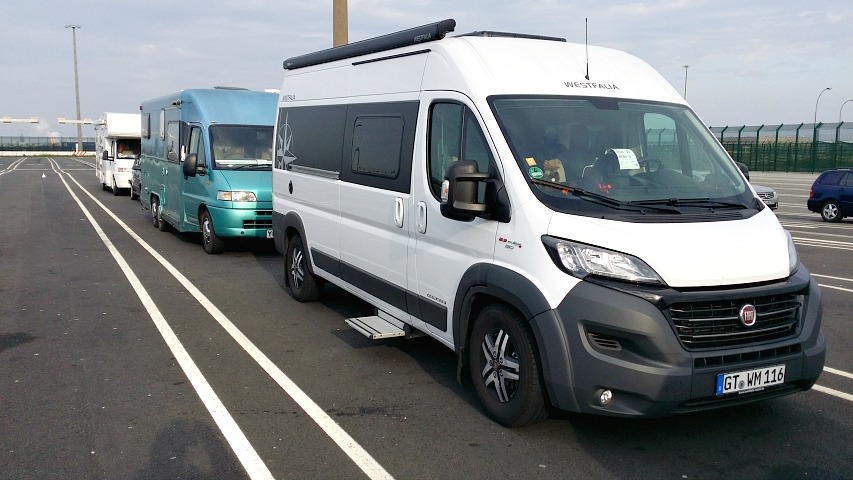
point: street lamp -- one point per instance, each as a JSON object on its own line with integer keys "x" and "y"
{"x": 76, "y": 87}
{"x": 842, "y": 108}
{"x": 815, "y": 104}
{"x": 685, "y": 81}
{"x": 19, "y": 120}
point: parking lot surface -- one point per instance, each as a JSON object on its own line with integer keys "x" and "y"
{"x": 126, "y": 352}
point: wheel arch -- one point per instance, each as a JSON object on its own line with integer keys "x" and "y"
{"x": 481, "y": 285}
{"x": 288, "y": 226}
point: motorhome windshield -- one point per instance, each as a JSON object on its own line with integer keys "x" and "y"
{"x": 241, "y": 147}
{"x": 593, "y": 154}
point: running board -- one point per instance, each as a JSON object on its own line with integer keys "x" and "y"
{"x": 378, "y": 326}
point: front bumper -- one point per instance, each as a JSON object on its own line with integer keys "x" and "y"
{"x": 623, "y": 339}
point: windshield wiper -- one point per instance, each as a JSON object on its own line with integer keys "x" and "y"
{"x": 603, "y": 199}
{"x": 689, "y": 202}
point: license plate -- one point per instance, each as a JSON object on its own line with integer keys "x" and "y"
{"x": 750, "y": 380}
{"x": 269, "y": 233}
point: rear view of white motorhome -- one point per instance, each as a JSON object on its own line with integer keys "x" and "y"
{"x": 554, "y": 213}
{"x": 117, "y": 146}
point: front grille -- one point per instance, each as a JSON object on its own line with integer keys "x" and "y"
{"x": 715, "y": 324}
{"x": 765, "y": 195}
{"x": 257, "y": 223}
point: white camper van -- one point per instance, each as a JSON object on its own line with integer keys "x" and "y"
{"x": 555, "y": 214}
{"x": 117, "y": 146}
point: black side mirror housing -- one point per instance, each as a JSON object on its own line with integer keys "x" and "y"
{"x": 190, "y": 165}
{"x": 459, "y": 194}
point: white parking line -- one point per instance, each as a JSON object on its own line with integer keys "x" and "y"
{"x": 838, "y": 372}
{"x": 834, "y": 393}
{"x": 344, "y": 441}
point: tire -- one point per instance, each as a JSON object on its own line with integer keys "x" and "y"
{"x": 209, "y": 240}
{"x": 303, "y": 285}
{"x": 157, "y": 215}
{"x": 504, "y": 367}
{"x": 830, "y": 211}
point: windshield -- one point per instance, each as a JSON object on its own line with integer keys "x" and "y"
{"x": 241, "y": 147}
{"x": 582, "y": 154}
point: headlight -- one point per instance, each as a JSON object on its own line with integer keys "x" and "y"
{"x": 236, "y": 196}
{"x": 580, "y": 260}
{"x": 793, "y": 259}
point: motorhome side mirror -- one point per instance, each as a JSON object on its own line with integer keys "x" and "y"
{"x": 105, "y": 155}
{"x": 459, "y": 191}
{"x": 190, "y": 165}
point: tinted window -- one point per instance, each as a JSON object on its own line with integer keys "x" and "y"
{"x": 376, "y": 145}
{"x": 310, "y": 137}
{"x": 831, "y": 178}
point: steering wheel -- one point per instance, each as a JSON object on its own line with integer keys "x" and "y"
{"x": 650, "y": 165}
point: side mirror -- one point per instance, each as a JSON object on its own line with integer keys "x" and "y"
{"x": 744, "y": 169}
{"x": 459, "y": 194}
{"x": 105, "y": 155}
{"x": 190, "y": 165}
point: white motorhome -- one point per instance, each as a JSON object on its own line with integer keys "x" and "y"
{"x": 117, "y": 146}
{"x": 554, "y": 213}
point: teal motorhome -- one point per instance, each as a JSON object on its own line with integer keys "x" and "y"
{"x": 207, "y": 163}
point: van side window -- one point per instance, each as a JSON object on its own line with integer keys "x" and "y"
{"x": 377, "y": 145}
{"x": 172, "y": 141}
{"x": 454, "y": 134}
{"x": 197, "y": 146}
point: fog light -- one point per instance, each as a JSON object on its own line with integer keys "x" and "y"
{"x": 605, "y": 397}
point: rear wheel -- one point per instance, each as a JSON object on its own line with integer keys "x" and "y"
{"x": 209, "y": 240}
{"x": 504, "y": 367}
{"x": 303, "y": 285}
{"x": 157, "y": 215}
{"x": 831, "y": 211}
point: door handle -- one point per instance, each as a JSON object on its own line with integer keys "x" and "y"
{"x": 422, "y": 217}
{"x": 398, "y": 212}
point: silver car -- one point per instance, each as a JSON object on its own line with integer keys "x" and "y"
{"x": 768, "y": 195}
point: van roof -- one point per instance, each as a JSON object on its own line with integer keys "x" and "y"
{"x": 221, "y": 105}
{"x": 480, "y": 63}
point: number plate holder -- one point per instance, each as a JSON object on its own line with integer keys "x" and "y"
{"x": 747, "y": 381}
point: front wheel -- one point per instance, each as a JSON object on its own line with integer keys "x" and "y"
{"x": 504, "y": 368}
{"x": 303, "y": 285}
{"x": 209, "y": 240}
{"x": 831, "y": 211}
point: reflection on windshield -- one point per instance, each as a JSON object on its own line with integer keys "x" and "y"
{"x": 634, "y": 153}
{"x": 244, "y": 147}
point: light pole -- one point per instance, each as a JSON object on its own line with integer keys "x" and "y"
{"x": 816, "y": 102}
{"x": 814, "y": 134}
{"x": 685, "y": 81}
{"x": 842, "y": 108}
{"x": 76, "y": 87}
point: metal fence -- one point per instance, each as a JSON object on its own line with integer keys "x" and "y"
{"x": 806, "y": 147}
{"x": 44, "y": 144}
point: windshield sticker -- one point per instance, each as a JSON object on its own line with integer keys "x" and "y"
{"x": 627, "y": 158}
{"x": 530, "y": 161}
{"x": 535, "y": 172}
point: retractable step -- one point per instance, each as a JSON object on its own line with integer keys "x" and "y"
{"x": 378, "y": 326}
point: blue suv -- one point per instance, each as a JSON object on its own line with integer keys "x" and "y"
{"x": 831, "y": 194}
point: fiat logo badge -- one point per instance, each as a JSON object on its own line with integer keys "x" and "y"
{"x": 748, "y": 315}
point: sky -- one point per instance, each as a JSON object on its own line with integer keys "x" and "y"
{"x": 763, "y": 62}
